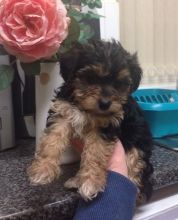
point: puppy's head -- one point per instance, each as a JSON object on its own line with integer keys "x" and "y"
{"x": 100, "y": 76}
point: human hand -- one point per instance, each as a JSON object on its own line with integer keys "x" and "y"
{"x": 117, "y": 162}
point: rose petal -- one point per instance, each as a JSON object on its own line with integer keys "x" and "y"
{"x": 32, "y": 29}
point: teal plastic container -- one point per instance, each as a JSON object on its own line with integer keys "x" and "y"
{"x": 160, "y": 108}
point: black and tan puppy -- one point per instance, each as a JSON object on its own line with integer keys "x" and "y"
{"x": 95, "y": 104}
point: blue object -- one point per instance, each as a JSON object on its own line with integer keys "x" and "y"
{"x": 117, "y": 202}
{"x": 160, "y": 108}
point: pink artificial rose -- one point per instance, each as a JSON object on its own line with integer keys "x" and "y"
{"x": 32, "y": 29}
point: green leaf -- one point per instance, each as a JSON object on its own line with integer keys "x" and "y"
{"x": 74, "y": 33}
{"x": 92, "y": 3}
{"x": 31, "y": 68}
{"x": 77, "y": 15}
{"x": 53, "y": 59}
{"x": 3, "y": 51}
{"x": 6, "y": 76}
{"x": 86, "y": 33}
{"x": 98, "y": 4}
{"x": 91, "y": 15}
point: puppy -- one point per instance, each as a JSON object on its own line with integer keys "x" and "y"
{"x": 95, "y": 104}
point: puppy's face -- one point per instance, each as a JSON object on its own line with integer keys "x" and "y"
{"x": 100, "y": 76}
{"x": 100, "y": 92}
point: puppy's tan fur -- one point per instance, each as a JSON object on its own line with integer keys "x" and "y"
{"x": 68, "y": 122}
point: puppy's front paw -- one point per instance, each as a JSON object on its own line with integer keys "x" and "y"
{"x": 42, "y": 172}
{"x": 73, "y": 182}
{"x": 89, "y": 189}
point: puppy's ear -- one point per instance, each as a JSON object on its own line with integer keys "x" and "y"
{"x": 135, "y": 71}
{"x": 68, "y": 63}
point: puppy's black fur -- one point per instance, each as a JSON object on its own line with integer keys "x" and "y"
{"x": 133, "y": 130}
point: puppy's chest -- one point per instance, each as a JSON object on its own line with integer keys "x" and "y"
{"x": 83, "y": 126}
{"x": 89, "y": 124}
{"x": 82, "y": 123}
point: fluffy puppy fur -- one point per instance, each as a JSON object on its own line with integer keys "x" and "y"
{"x": 95, "y": 104}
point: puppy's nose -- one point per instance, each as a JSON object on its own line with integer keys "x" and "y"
{"x": 104, "y": 104}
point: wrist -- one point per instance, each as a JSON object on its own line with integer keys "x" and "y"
{"x": 119, "y": 168}
{"x": 117, "y": 162}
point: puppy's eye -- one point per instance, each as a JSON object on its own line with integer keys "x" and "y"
{"x": 121, "y": 84}
{"x": 80, "y": 81}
